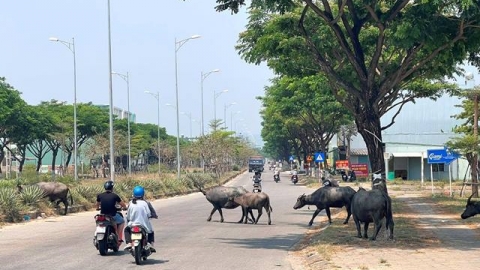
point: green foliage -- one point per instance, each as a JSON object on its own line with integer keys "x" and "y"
{"x": 10, "y": 206}
{"x": 31, "y": 196}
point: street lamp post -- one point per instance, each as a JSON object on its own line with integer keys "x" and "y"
{"x": 225, "y": 113}
{"x": 157, "y": 97}
{"x": 178, "y": 45}
{"x": 203, "y": 77}
{"x": 110, "y": 93}
{"x": 71, "y": 47}
{"x": 215, "y": 96}
{"x": 126, "y": 79}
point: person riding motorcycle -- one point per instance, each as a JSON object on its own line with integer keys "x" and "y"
{"x": 294, "y": 174}
{"x": 107, "y": 202}
{"x": 276, "y": 174}
{"x": 139, "y": 213}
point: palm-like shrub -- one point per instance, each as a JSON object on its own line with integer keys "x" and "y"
{"x": 10, "y": 206}
{"x": 31, "y": 195}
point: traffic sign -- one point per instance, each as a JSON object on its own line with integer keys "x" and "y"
{"x": 291, "y": 158}
{"x": 319, "y": 157}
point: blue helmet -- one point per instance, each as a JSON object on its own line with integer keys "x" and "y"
{"x": 138, "y": 192}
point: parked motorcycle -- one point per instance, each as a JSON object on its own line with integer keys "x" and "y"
{"x": 105, "y": 236}
{"x": 295, "y": 179}
{"x": 276, "y": 178}
{"x": 139, "y": 249}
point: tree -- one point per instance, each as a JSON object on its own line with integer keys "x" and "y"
{"x": 376, "y": 55}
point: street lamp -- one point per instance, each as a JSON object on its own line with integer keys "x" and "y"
{"x": 225, "y": 113}
{"x": 203, "y": 77}
{"x": 126, "y": 79}
{"x": 178, "y": 45}
{"x": 71, "y": 47}
{"x": 157, "y": 97}
{"x": 189, "y": 115}
{"x": 215, "y": 96}
{"x": 110, "y": 93}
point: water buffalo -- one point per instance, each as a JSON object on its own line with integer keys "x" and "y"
{"x": 372, "y": 206}
{"x": 330, "y": 182}
{"x": 250, "y": 201}
{"x": 55, "y": 192}
{"x": 471, "y": 209}
{"x": 326, "y": 197}
{"x": 219, "y": 198}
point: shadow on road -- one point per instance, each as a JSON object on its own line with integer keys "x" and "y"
{"x": 274, "y": 242}
{"x": 151, "y": 261}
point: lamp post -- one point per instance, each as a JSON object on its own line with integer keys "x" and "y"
{"x": 215, "y": 96}
{"x": 178, "y": 45}
{"x": 203, "y": 77}
{"x": 189, "y": 115}
{"x": 468, "y": 77}
{"x": 71, "y": 47}
{"x": 225, "y": 113}
{"x": 126, "y": 79}
{"x": 157, "y": 97}
{"x": 110, "y": 93}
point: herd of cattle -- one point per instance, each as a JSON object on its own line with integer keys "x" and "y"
{"x": 366, "y": 206}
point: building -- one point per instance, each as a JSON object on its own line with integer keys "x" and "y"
{"x": 120, "y": 113}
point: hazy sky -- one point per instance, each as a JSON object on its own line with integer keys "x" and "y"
{"x": 143, "y": 44}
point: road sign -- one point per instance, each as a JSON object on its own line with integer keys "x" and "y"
{"x": 291, "y": 158}
{"x": 441, "y": 156}
{"x": 319, "y": 157}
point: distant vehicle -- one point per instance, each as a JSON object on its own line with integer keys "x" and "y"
{"x": 256, "y": 163}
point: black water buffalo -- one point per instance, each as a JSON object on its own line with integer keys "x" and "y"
{"x": 326, "y": 197}
{"x": 219, "y": 198}
{"x": 55, "y": 192}
{"x": 471, "y": 209}
{"x": 250, "y": 201}
{"x": 372, "y": 206}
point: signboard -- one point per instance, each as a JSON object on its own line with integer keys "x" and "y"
{"x": 341, "y": 164}
{"x": 291, "y": 158}
{"x": 441, "y": 156}
{"x": 360, "y": 169}
{"x": 319, "y": 157}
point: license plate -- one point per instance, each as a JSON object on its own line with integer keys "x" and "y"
{"x": 136, "y": 236}
{"x": 100, "y": 230}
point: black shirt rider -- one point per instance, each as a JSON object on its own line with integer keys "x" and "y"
{"x": 107, "y": 201}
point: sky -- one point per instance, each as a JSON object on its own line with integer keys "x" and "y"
{"x": 143, "y": 34}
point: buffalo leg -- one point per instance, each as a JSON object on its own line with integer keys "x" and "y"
{"x": 260, "y": 212}
{"x": 65, "y": 202}
{"x": 365, "y": 229}
{"x": 243, "y": 216}
{"x": 221, "y": 214}
{"x": 327, "y": 210}
{"x": 378, "y": 226}
{"x": 349, "y": 213}
{"x": 211, "y": 213}
{"x": 267, "y": 208}
{"x": 357, "y": 224}
{"x": 314, "y": 215}
{"x": 251, "y": 214}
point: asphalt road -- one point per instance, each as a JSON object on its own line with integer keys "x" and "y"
{"x": 184, "y": 239}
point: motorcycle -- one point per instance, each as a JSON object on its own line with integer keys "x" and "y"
{"x": 294, "y": 179}
{"x": 105, "y": 236}
{"x": 139, "y": 249}
{"x": 276, "y": 178}
{"x": 257, "y": 186}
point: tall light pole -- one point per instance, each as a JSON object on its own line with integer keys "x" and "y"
{"x": 126, "y": 79}
{"x": 225, "y": 113}
{"x": 189, "y": 115}
{"x": 203, "y": 77}
{"x": 475, "y": 91}
{"x": 71, "y": 47}
{"x": 215, "y": 96}
{"x": 157, "y": 97}
{"x": 178, "y": 45}
{"x": 110, "y": 93}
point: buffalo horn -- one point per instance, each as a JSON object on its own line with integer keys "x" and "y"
{"x": 468, "y": 201}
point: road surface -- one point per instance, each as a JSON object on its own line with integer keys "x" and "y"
{"x": 184, "y": 239}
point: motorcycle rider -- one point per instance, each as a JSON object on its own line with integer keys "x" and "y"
{"x": 107, "y": 202}
{"x": 294, "y": 173}
{"x": 276, "y": 174}
{"x": 139, "y": 213}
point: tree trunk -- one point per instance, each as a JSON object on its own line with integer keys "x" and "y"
{"x": 370, "y": 129}
{"x": 54, "y": 158}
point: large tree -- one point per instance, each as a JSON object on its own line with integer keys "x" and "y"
{"x": 377, "y": 55}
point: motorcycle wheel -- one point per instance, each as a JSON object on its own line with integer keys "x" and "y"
{"x": 138, "y": 254}
{"x": 103, "y": 246}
